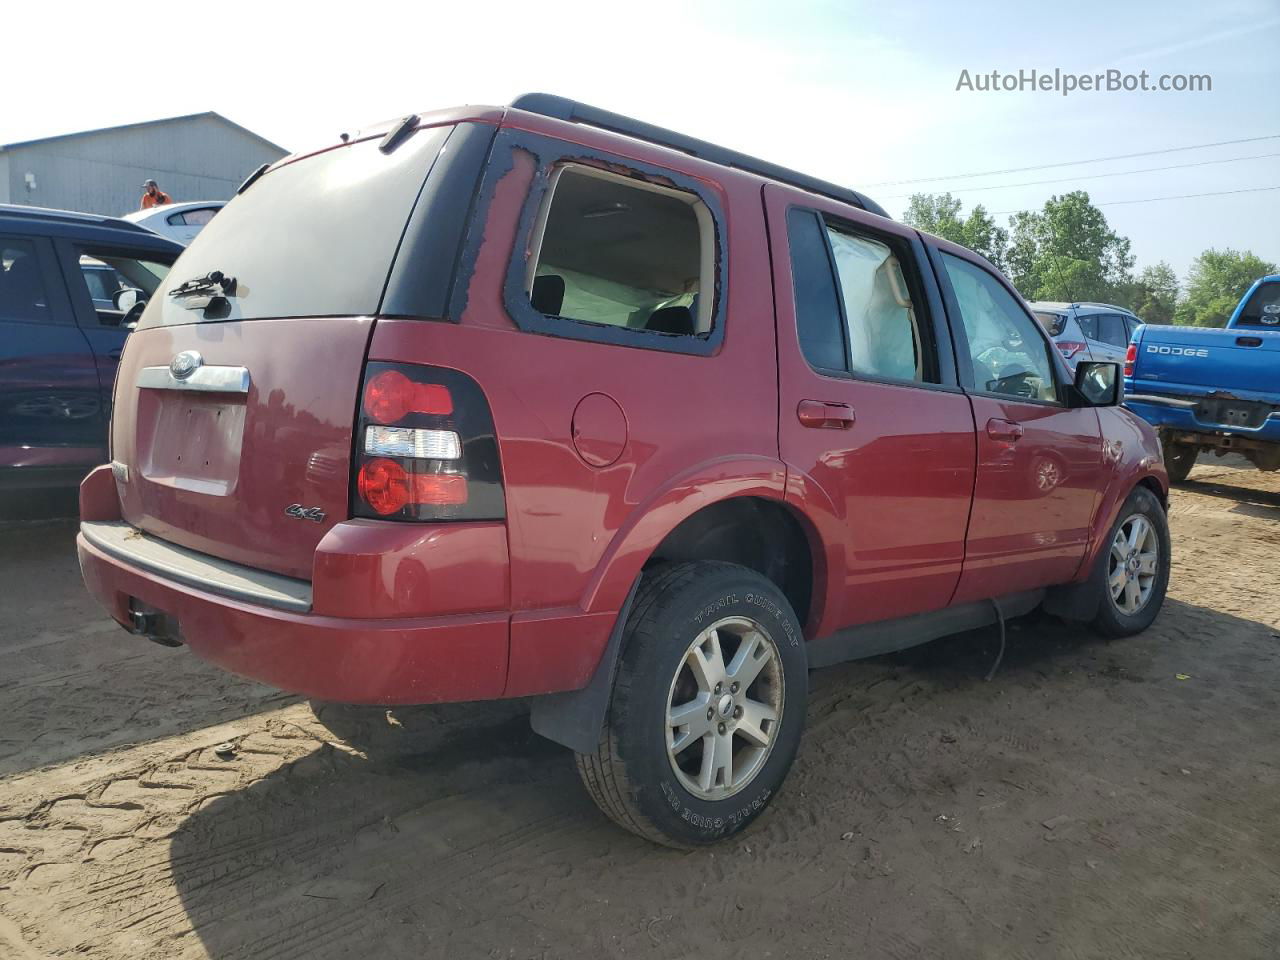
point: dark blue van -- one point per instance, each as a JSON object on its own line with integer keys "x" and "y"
{"x": 71, "y": 287}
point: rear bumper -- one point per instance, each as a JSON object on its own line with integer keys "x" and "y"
{"x": 394, "y": 614}
{"x": 462, "y": 657}
{"x": 1177, "y": 414}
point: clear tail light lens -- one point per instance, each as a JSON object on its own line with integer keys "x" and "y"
{"x": 425, "y": 447}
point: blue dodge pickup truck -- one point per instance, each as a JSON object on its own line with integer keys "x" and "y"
{"x": 1212, "y": 388}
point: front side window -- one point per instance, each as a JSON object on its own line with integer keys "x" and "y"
{"x": 1008, "y": 353}
{"x": 106, "y": 272}
{"x": 619, "y": 252}
{"x": 22, "y": 292}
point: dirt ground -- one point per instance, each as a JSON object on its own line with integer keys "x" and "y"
{"x": 1094, "y": 800}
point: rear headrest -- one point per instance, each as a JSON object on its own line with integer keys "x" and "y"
{"x": 671, "y": 320}
{"x": 547, "y": 295}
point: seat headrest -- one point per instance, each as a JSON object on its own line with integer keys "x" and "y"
{"x": 671, "y": 320}
{"x": 547, "y": 295}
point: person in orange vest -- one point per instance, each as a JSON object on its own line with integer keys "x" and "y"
{"x": 154, "y": 196}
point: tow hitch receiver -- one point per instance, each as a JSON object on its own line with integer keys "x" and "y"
{"x": 155, "y": 625}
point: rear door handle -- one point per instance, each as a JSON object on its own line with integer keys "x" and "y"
{"x": 823, "y": 415}
{"x": 1005, "y": 430}
{"x": 114, "y": 354}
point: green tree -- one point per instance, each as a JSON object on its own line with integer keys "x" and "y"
{"x": 1153, "y": 296}
{"x": 1215, "y": 283}
{"x": 941, "y": 215}
{"x": 1068, "y": 251}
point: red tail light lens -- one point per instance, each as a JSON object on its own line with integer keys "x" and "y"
{"x": 388, "y": 487}
{"x": 384, "y": 485}
{"x": 390, "y": 396}
{"x": 1069, "y": 348}
{"x": 425, "y": 447}
{"x": 1130, "y": 358}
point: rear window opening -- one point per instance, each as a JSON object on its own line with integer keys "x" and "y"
{"x": 1263, "y": 308}
{"x": 623, "y": 253}
{"x": 1054, "y": 323}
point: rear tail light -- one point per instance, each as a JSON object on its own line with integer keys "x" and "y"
{"x": 425, "y": 447}
{"x": 1069, "y": 348}
{"x": 1130, "y": 358}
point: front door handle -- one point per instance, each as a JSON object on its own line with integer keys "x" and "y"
{"x": 114, "y": 354}
{"x": 1004, "y": 430}
{"x": 823, "y": 415}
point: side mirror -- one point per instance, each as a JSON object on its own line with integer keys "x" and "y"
{"x": 1097, "y": 384}
{"x": 124, "y": 298}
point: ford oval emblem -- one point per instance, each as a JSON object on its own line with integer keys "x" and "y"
{"x": 185, "y": 364}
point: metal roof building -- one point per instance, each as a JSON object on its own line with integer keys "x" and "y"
{"x": 201, "y": 156}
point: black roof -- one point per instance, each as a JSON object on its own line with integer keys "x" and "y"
{"x": 561, "y": 108}
{"x": 44, "y": 222}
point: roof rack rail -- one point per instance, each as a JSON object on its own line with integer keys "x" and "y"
{"x": 69, "y": 216}
{"x": 1099, "y": 303}
{"x": 562, "y": 108}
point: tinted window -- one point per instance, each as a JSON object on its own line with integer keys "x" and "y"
{"x": 883, "y": 328}
{"x": 22, "y": 291}
{"x": 315, "y": 237}
{"x": 818, "y": 320}
{"x": 1089, "y": 326}
{"x": 1112, "y": 330}
{"x": 623, "y": 254}
{"x": 1263, "y": 308}
{"x": 1052, "y": 322}
{"x": 1007, "y": 349}
{"x": 102, "y": 282}
{"x": 192, "y": 218}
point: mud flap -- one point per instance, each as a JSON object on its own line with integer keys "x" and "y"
{"x": 574, "y": 719}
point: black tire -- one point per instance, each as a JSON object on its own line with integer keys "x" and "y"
{"x": 630, "y": 776}
{"x": 1111, "y": 620}
{"x": 1179, "y": 458}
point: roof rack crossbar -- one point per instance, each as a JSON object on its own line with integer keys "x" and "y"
{"x": 562, "y": 108}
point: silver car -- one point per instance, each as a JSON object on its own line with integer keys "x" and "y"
{"x": 1088, "y": 331}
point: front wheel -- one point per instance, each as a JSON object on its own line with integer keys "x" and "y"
{"x": 1133, "y": 569}
{"x": 707, "y": 707}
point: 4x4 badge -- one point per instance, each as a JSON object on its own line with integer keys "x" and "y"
{"x": 299, "y": 512}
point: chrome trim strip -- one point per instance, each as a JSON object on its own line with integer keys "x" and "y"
{"x": 124, "y": 542}
{"x": 207, "y": 379}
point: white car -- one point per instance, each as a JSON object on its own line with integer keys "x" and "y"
{"x": 177, "y": 221}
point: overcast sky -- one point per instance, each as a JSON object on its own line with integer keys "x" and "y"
{"x": 861, "y": 93}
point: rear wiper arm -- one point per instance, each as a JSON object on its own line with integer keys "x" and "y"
{"x": 211, "y": 284}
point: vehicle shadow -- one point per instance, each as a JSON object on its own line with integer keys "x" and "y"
{"x": 1264, "y": 504}
{"x": 73, "y": 682}
{"x": 481, "y": 841}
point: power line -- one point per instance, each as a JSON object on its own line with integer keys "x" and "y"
{"x": 1072, "y": 163}
{"x": 1181, "y": 196}
{"x": 1096, "y": 176}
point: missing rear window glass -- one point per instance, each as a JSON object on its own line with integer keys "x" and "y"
{"x": 619, "y": 252}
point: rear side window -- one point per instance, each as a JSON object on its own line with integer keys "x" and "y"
{"x": 1112, "y": 330}
{"x": 1263, "y": 308}
{"x": 623, "y": 253}
{"x": 1054, "y": 323}
{"x": 818, "y": 318}
{"x": 315, "y": 237}
{"x": 192, "y": 218}
{"x": 1089, "y": 326}
{"x": 22, "y": 292}
{"x": 855, "y": 311}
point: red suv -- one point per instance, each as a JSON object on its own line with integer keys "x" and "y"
{"x": 542, "y": 401}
